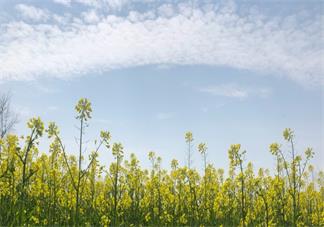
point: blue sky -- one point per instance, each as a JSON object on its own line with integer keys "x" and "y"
{"x": 230, "y": 72}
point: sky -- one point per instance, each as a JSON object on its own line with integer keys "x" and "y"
{"x": 229, "y": 71}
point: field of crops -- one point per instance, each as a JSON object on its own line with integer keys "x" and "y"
{"x": 55, "y": 188}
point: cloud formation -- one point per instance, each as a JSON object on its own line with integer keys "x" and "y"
{"x": 63, "y": 2}
{"x": 31, "y": 12}
{"x": 95, "y": 41}
{"x": 226, "y": 90}
{"x": 235, "y": 91}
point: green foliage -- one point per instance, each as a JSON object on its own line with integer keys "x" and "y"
{"x": 288, "y": 134}
{"x": 202, "y": 148}
{"x": 58, "y": 189}
{"x": 37, "y": 126}
{"x": 189, "y": 137}
{"x": 83, "y": 109}
{"x": 105, "y": 136}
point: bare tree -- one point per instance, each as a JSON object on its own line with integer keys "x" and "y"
{"x": 8, "y": 119}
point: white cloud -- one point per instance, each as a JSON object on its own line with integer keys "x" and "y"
{"x": 45, "y": 89}
{"x": 63, "y": 2}
{"x": 227, "y": 90}
{"x": 96, "y": 3}
{"x": 90, "y": 16}
{"x": 166, "y": 10}
{"x": 31, "y": 12}
{"x": 235, "y": 91}
{"x": 110, "y": 5}
{"x": 181, "y": 35}
{"x": 116, "y": 4}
